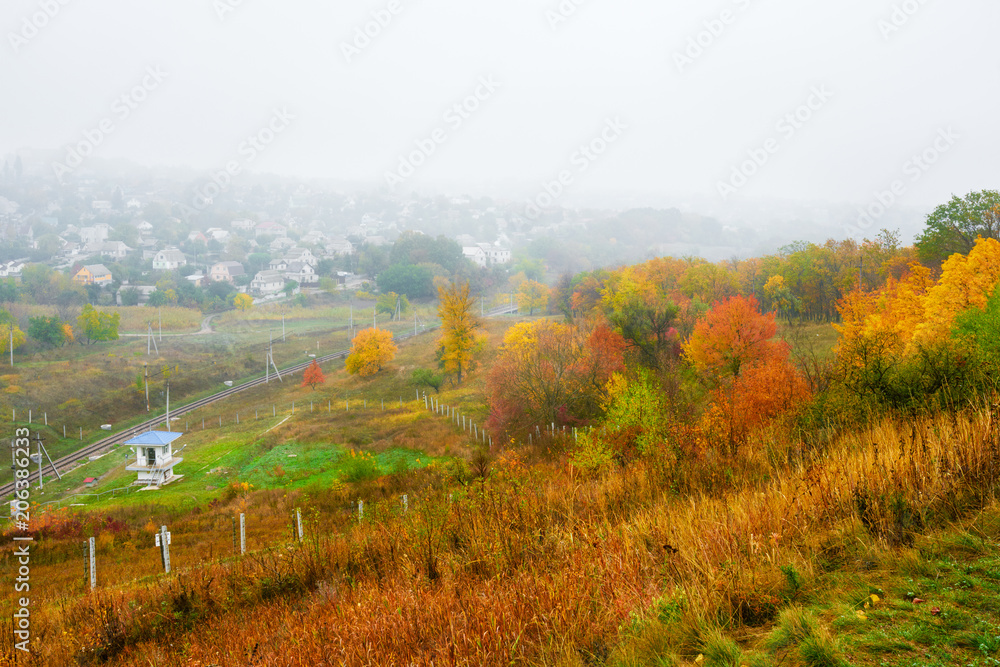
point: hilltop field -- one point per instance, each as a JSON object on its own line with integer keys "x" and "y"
{"x": 642, "y": 479}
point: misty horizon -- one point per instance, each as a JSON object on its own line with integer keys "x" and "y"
{"x": 566, "y": 103}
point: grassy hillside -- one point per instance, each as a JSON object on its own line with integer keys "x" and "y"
{"x": 513, "y": 556}
{"x": 82, "y": 387}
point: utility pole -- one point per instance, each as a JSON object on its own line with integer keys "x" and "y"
{"x": 12, "y": 345}
{"x": 168, "y": 404}
{"x": 270, "y": 360}
{"x": 151, "y": 340}
{"x": 145, "y": 378}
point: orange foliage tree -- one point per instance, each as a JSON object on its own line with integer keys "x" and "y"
{"x": 313, "y": 375}
{"x": 548, "y": 372}
{"x": 896, "y": 344}
{"x": 753, "y": 379}
{"x": 371, "y": 350}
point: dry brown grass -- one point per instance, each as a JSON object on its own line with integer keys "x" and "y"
{"x": 532, "y": 565}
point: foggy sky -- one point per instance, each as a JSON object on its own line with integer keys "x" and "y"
{"x": 227, "y": 67}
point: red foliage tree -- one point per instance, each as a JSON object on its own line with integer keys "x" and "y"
{"x": 313, "y": 375}
{"x": 548, "y": 372}
{"x": 752, "y": 376}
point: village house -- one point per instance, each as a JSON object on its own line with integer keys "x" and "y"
{"x": 226, "y": 272}
{"x": 270, "y": 229}
{"x": 281, "y": 244}
{"x": 169, "y": 259}
{"x": 267, "y": 282}
{"x": 93, "y": 274}
{"x": 339, "y": 246}
{"x": 216, "y": 234}
{"x": 301, "y": 255}
{"x": 243, "y": 225}
{"x": 302, "y": 273}
{"x": 485, "y": 254}
{"x": 113, "y": 249}
{"x": 96, "y": 234}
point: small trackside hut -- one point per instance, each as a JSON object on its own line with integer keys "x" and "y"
{"x": 154, "y": 458}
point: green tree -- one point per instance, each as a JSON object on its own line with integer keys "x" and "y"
{"x": 47, "y": 330}
{"x": 416, "y": 248}
{"x": 98, "y": 326}
{"x": 953, "y": 227}
{"x": 8, "y": 290}
{"x": 160, "y": 297}
{"x": 414, "y": 281}
{"x": 424, "y": 377}
{"x": 130, "y": 296}
{"x": 387, "y": 303}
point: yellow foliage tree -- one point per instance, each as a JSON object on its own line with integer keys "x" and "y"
{"x": 532, "y": 296}
{"x": 10, "y": 331}
{"x": 461, "y": 327}
{"x": 243, "y": 302}
{"x": 967, "y": 281}
{"x": 371, "y": 350}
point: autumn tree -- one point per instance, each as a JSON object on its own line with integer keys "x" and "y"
{"x": 751, "y": 375}
{"x": 98, "y": 326}
{"x": 764, "y": 389}
{"x": 10, "y": 333}
{"x": 551, "y": 373}
{"x": 371, "y": 350}
{"x": 642, "y": 312}
{"x": 636, "y": 423}
{"x": 914, "y": 341}
{"x": 461, "y": 336}
{"x": 313, "y": 375}
{"x": 532, "y": 296}
{"x": 732, "y": 335}
{"x": 243, "y": 302}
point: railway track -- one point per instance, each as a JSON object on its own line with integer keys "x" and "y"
{"x": 122, "y": 436}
